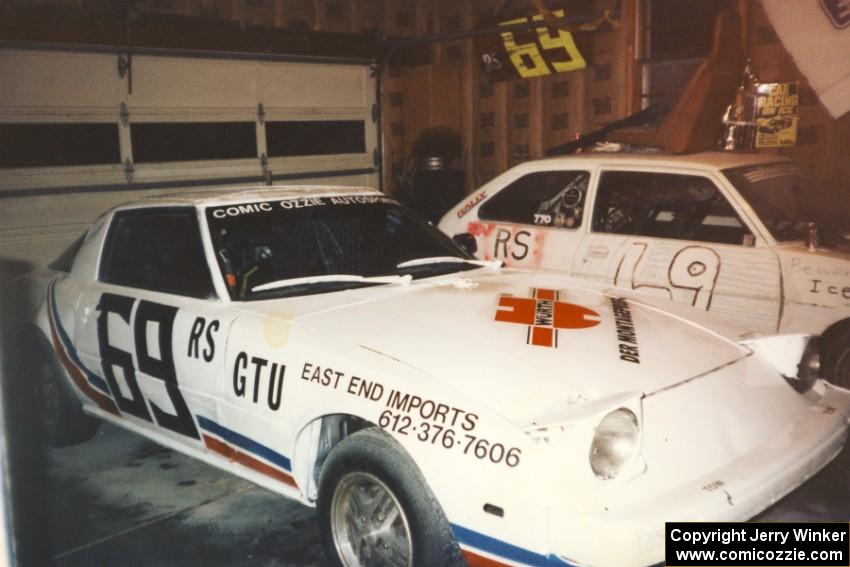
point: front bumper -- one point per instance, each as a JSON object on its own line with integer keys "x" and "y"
{"x": 633, "y": 533}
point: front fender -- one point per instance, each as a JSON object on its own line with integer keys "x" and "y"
{"x": 487, "y": 473}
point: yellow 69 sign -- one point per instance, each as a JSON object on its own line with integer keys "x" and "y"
{"x": 544, "y": 56}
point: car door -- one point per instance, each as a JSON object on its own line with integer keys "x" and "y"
{"x": 676, "y": 235}
{"x": 534, "y": 221}
{"x": 153, "y": 322}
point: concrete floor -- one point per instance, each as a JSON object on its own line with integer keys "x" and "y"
{"x": 122, "y": 500}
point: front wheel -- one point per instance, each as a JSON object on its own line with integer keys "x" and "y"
{"x": 836, "y": 359}
{"x": 376, "y": 510}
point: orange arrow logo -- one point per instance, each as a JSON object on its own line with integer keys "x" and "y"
{"x": 544, "y": 315}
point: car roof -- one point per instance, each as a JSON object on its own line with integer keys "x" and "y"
{"x": 714, "y": 161}
{"x": 217, "y": 196}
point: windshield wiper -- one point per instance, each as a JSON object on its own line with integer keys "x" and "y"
{"x": 449, "y": 260}
{"x": 332, "y": 278}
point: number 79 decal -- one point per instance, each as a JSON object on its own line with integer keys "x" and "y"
{"x": 543, "y": 56}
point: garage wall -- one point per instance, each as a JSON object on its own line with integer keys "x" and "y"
{"x": 78, "y": 136}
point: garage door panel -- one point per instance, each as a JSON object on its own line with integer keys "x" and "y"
{"x": 36, "y": 179}
{"x": 243, "y": 171}
{"x": 319, "y": 87}
{"x": 193, "y": 83}
{"x": 33, "y": 79}
{"x": 197, "y": 83}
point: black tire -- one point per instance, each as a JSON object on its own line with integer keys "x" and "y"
{"x": 835, "y": 357}
{"x": 61, "y": 415}
{"x": 370, "y": 462}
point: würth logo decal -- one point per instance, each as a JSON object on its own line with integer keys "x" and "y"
{"x": 544, "y": 315}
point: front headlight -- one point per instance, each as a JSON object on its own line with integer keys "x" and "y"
{"x": 808, "y": 371}
{"x": 615, "y": 443}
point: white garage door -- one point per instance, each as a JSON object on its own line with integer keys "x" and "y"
{"x": 79, "y": 132}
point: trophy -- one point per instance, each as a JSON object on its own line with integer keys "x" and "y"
{"x": 739, "y": 120}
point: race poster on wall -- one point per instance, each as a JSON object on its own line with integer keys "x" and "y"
{"x": 776, "y": 114}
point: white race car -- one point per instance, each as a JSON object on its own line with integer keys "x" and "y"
{"x": 329, "y": 345}
{"x": 752, "y": 238}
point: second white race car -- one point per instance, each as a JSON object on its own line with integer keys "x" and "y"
{"x": 752, "y": 238}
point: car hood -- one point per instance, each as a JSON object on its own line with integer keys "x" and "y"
{"x": 472, "y": 332}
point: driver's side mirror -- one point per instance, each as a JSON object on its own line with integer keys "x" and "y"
{"x": 466, "y": 241}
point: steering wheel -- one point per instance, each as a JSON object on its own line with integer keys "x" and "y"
{"x": 618, "y": 220}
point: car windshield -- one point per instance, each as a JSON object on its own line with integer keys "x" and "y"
{"x": 321, "y": 244}
{"x": 787, "y": 198}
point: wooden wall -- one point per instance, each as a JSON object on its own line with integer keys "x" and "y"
{"x": 504, "y": 123}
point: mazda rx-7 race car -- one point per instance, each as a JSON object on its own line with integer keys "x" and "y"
{"x": 331, "y": 346}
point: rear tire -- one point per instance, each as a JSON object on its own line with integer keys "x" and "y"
{"x": 60, "y": 412}
{"x": 375, "y": 508}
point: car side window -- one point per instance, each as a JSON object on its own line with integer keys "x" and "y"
{"x": 664, "y": 205}
{"x": 157, "y": 249}
{"x": 545, "y": 198}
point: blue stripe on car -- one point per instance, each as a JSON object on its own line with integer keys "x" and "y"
{"x": 245, "y": 443}
{"x": 493, "y": 546}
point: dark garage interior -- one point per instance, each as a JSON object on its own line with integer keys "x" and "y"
{"x": 429, "y": 102}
